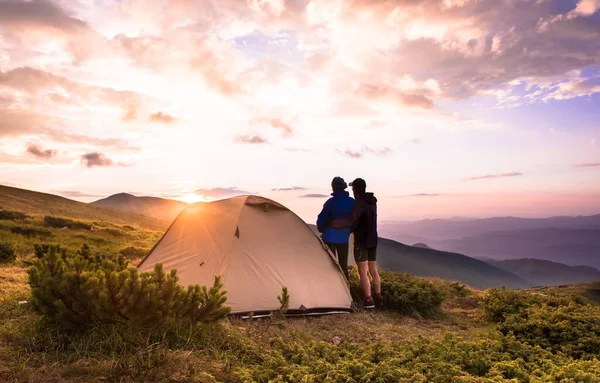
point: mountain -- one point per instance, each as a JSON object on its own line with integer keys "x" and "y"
{"x": 546, "y": 273}
{"x": 36, "y": 203}
{"x": 440, "y": 229}
{"x": 569, "y": 246}
{"x": 159, "y": 208}
{"x": 395, "y": 256}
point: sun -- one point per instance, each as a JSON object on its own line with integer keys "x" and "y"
{"x": 191, "y": 198}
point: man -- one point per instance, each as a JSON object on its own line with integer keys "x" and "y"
{"x": 363, "y": 222}
{"x": 338, "y": 206}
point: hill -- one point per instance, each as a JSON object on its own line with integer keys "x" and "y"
{"x": 569, "y": 246}
{"x": 395, "y": 256}
{"x": 424, "y": 262}
{"x": 159, "y": 208}
{"x": 36, "y": 203}
{"x": 546, "y": 273}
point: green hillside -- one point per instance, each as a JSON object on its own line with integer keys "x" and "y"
{"x": 35, "y": 203}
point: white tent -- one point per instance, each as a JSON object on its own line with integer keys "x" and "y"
{"x": 257, "y": 246}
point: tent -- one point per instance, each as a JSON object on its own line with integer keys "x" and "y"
{"x": 257, "y": 246}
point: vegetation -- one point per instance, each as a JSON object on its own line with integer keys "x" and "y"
{"x": 12, "y": 215}
{"x": 80, "y": 327}
{"x": 59, "y": 223}
{"x": 74, "y": 291}
{"x": 404, "y": 294}
{"x": 30, "y": 231}
{"x": 570, "y": 326}
{"x": 7, "y": 253}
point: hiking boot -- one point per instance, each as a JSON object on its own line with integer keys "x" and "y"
{"x": 378, "y": 300}
{"x": 369, "y": 303}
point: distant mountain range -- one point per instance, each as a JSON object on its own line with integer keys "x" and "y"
{"x": 570, "y": 240}
{"x": 546, "y": 273}
{"x": 159, "y": 208}
{"x": 424, "y": 262}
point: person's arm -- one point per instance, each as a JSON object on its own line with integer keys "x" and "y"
{"x": 345, "y": 223}
{"x": 322, "y": 219}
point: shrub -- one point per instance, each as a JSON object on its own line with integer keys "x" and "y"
{"x": 12, "y": 215}
{"x": 405, "y": 294}
{"x": 133, "y": 252}
{"x": 30, "y": 231}
{"x": 59, "y": 223}
{"x": 82, "y": 290}
{"x": 560, "y": 324}
{"x": 7, "y": 253}
{"x": 115, "y": 232}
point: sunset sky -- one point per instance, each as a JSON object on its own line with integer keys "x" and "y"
{"x": 446, "y": 107}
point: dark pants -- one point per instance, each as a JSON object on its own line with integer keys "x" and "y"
{"x": 341, "y": 250}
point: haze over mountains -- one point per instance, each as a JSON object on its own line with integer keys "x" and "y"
{"x": 569, "y": 240}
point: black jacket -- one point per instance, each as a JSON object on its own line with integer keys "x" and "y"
{"x": 362, "y": 220}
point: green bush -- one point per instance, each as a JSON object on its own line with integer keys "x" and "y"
{"x": 449, "y": 360}
{"x": 405, "y": 294}
{"x": 30, "y": 231}
{"x": 81, "y": 290}
{"x": 132, "y": 252}
{"x": 7, "y": 253}
{"x": 59, "y": 223}
{"x": 568, "y": 325}
{"x": 12, "y": 215}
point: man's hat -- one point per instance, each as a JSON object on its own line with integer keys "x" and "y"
{"x": 359, "y": 184}
{"x": 338, "y": 183}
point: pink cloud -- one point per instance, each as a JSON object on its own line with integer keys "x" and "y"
{"x": 588, "y": 165}
{"x": 91, "y": 160}
{"x": 36, "y": 151}
{"x": 162, "y": 117}
{"x": 488, "y": 176}
{"x": 248, "y": 139}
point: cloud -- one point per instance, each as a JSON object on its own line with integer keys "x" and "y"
{"x": 221, "y": 192}
{"x": 415, "y": 141}
{"x": 75, "y": 194}
{"x": 98, "y": 159}
{"x": 352, "y": 154}
{"x": 379, "y": 92}
{"x": 380, "y": 152}
{"x": 162, "y": 117}
{"x": 423, "y": 195}
{"x": 299, "y": 150}
{"x": 285, "y": 128}
{"x": 249, "y": 139}
{"x": 36, "y": 151}
{"x": 11, "y": 184}
{"x": 588, "y": 165}
{"x": 314, "y": 195}
{"x": 293, "y": 188}
{"x": 513, "y": 174}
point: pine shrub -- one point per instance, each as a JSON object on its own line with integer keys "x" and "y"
{"x": 80, "y": 290}
{"x": 404, "y": 293}
{"x": 7, "y": 253}
{"x": 132, "y": 252}
{"x": 59, "y": 223}
{"x": 12, "y": 215}
{"x": 30, "y": 231}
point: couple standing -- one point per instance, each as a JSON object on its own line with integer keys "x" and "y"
{"x": 343, "y": 215}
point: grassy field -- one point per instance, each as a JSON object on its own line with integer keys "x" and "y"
{"x": 538, "y": 335}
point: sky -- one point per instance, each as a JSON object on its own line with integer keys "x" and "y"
{"x": 470, "y": 108}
